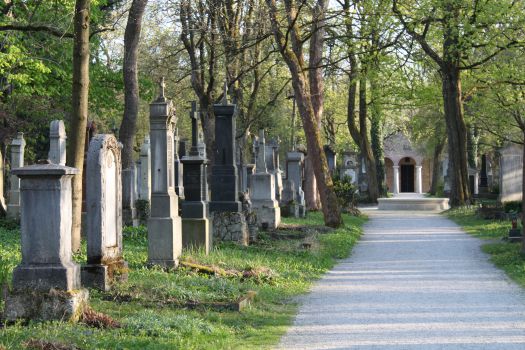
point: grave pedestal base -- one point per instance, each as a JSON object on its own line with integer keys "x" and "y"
{"x": 58, "y": 305}
{"x": 104, "y": 276}
{"x": 196, "y": 234}
{"x": 230, "y": 226}
{"x": 268, "y": 214}
{"x": 164, "y": 241}
{"x": 290, "y": 210}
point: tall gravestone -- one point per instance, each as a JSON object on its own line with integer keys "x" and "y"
{"x": 349, "y": 168}
{"x": 511, "y": 172}
{"x": 3, "y": 206}
{"x": 46, "y": 284}
{"x": 263, "y": 190}
{"x": 294, "y": 172}
{"x": 179, "y": 171}
{"x": 145, "y": 170}
{"x": 330, "y": 157}
{"x": 57, "y": 142}
{"x": 105, "y": 264}
{"x": 229, "y": 222}
{"x": 17, "y": 161}
{"x": 195, "y": 222}
{"x": 129, "y": 196}
{"x": 483, "y": 175}
{"x": 164, "y": 224}
{"x": 273, "y": 167}
{"x": 288, "y": 204}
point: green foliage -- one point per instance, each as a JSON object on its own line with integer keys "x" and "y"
{"x": 149, "y": 305}
{"x": 345, "y": 191}
{"x": 512, "y": 207}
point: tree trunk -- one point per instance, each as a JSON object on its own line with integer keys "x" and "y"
{"x": 366, "y": 148}
{"x": 436, "y": 171}
{"x": 80, "y": 95}
{"x": 523, "y": 197}
{"x": 457, "y": 134}
{"x": 128, "y": 127}
{"x": 376, "y": 131}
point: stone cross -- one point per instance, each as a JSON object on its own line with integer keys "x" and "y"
{"x": 57, "y": 142}
{"x": 164, "y": 224}
{"x": 46, "y": 247}
{"x": 17, "y": 161}
{"x": 194, "y": 115}
{"x": 145, "y": 170}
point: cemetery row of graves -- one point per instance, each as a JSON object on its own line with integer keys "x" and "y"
{"x": 219, "y": 270}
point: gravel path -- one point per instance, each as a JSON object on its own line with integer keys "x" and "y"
{"x": 414, "y": 281}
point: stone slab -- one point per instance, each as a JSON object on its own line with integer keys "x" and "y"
{"x": 164, "y": 241}
{"x": 196, "y": 234}
{"x": 431, "y": 204}
{"x": 45, "y": 306}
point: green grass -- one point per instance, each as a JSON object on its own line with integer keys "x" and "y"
{"x": 504, "y": 255}
{"x": 154, "y": 319}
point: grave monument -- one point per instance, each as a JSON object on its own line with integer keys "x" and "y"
{"x": 17, "y": 161}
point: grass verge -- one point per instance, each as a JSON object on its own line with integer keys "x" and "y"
{"x": 150, "y": 306}
{"x": 504, "y": 255}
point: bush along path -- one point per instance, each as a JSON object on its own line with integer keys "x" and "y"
{"x": 193, "y": 307}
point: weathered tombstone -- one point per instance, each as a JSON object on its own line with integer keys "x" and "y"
{"x": 511, "y": 170}
{"x": 195, "y": 223}
{"x": 473, "y": 180}
{"x": 164, "y": 224}
{"x": 289, "y": 206}
{"x": 3, "y": 206}
{"x": 17, "y": 161}
{"x": 129, "y": 196}
{"x": 105, "y": 264}
{"x": 145, "y": 170}
{"x": 330, "y": 157}
{"x": 229, "y": 223}
{"x": 46, "y": 284}
{"x": 294, "y": 172}
{"x": 179, "y": 172}
{"x": 263, "y": 191}
{"x": 57, "y": 142}
{"x": 483, "y": 175}
{"x": 272, "y": 165}
{"x": 349, "y": 167}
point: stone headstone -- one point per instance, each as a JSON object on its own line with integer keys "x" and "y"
{"x": 330, "y": 157}
{"x": 129, "y": 196}
{"x": 17, "y": 161}
{"x": 105, "y": 264}
{"x": 46, "y": 284}
{"x": 179, "y": 172}
{"x": 350, "y": 166}
{"x": 289, "y": 206}
{"x": 57, "y": 142}
{"x": 3, "y": 206}
{"x": 195, "y": 222}
{"x": 483, "y": 175}
{"x": 145, "y": 170}
{"x": 229, "y": 222}
{"x": 262, "y": 193}
{"x": 272, "y": 163}
{"x": 294, "y": 172}
{"x": 164, "y": 224}
{"x": 511, "y": 170}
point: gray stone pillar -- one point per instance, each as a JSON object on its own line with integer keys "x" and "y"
{"x": 57, "y": 142}
{"x": 395, "y": 190}
{"x": 229, "y": 223}
{"x": 145, "y": 170}
{"x": 195, "y": 222}
{"x": 164, "y": 224}
{"x": 129, "y": 196}
{"x": 263, "y": 190}
{"x": 272, "y": 163}
{"x": 179, "y": 171}
{"x": 17, "y": 161}
{"x": 46, "y": 248}
{"x": 3, "y": 206}
{"x": 294, "y": 172}
{"x": 104, "y": 215}
{"x": 419, "y": 179}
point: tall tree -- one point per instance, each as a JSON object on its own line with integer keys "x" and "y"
{"x": 128, "y": 126}
{"x": 459, "y": 36}
{"x": 79, "y": 110}
{"x": 290, "y": 44}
